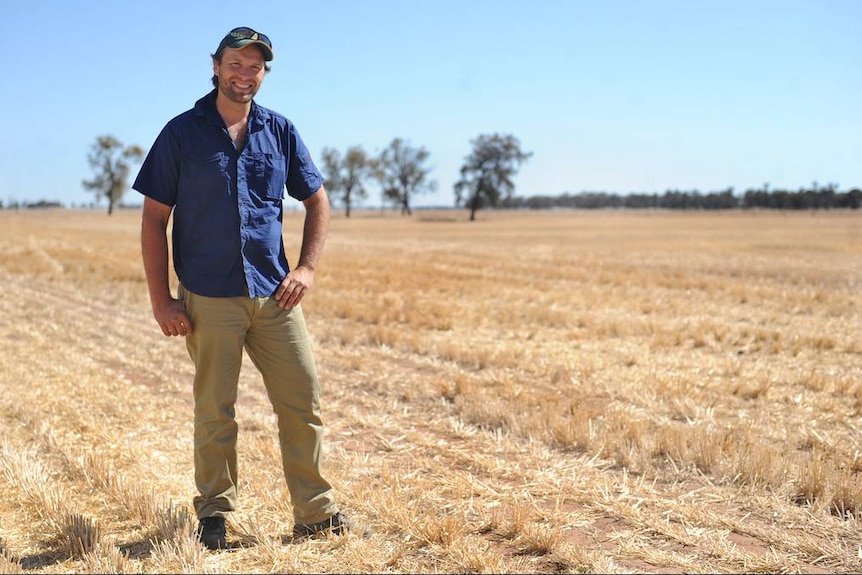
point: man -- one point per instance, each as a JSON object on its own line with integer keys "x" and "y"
{"x": 221, "y": 169}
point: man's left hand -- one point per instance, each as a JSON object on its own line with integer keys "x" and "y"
{"x": 293, "y": 288}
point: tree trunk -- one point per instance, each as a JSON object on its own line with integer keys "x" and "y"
{"x": 474, "y": 205}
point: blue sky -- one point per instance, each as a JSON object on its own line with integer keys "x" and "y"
{"x": 618, "y": 96}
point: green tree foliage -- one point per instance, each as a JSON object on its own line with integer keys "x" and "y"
{"x": 345, "y": 176}
{"x": 111, "y": 164}
{"x": 402, "y": 173}
{"x": 816, "y": 198}
{"x": 486, "y": 176}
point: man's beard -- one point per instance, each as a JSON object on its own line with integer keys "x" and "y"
{"x": 227, "y": 89}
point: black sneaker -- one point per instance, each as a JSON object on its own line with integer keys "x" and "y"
{"x": 338, "y": 524}
{"x": 211, "y": 532}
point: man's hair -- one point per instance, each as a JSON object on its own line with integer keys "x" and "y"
{"x": 217, "y": 57}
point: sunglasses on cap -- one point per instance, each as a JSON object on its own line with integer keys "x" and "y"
{"x": 242, "y": 37}
{"x": 249, "y": 34}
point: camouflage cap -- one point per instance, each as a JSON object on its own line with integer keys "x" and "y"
{"x": 244, "y": 36}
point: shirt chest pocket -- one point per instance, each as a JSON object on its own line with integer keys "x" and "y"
{"x": 266, "y": 175}
{"x": 204, "y": 172}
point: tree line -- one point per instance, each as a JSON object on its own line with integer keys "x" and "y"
{"x": 815, "y": 198}
{"x": 401, "y": 171}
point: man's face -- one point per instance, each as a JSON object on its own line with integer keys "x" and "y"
{"x": 240, "y": 73}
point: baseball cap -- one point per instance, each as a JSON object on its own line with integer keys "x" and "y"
{"x": 242, "y": 37}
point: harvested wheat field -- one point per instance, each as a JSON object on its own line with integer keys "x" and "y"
{"x": 531, "y": 392}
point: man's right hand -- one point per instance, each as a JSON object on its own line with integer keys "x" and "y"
{"x": 172, "y": 318}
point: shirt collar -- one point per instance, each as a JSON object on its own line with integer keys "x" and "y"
{"x": 206, "y": 108}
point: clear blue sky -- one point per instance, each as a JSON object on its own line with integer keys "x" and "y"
{"x": 618, "y": 95}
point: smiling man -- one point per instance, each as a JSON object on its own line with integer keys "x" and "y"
{"x": 221, "y": 169}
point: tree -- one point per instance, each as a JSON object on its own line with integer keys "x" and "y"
{"x": 344, "y": 176}
{"x": 111, "y": 164}
{"x": 401, "y": 173}
{"x": 486, "y": 176}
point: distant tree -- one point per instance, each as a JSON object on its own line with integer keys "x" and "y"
{"x": 345, "y": 176}
{"x": 111, "y": 164}
{"x": 851, "y": 199}
{"x": 402, "y": 174}
{"x": 486, "y": 176}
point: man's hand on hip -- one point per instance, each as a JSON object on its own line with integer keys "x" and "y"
{"x": 293, "y": 288}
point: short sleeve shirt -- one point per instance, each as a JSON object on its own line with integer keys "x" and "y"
{"x": 227, "y": 217}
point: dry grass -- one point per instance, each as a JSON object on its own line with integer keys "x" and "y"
{"x": 531, "y": 392}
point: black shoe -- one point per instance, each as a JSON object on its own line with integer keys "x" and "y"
{"x": 338, "y": 524}
{"x": 211, "y": 532}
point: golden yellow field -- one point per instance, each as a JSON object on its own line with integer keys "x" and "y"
{"x": 531, "y": 392}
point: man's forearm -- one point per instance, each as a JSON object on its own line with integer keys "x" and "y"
{"x": 315, "y": 230}
{"x": 154, "y": 251}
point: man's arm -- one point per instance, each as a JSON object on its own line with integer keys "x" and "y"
{"x": 169, "y": 312}
{"x": 316, "y": 227}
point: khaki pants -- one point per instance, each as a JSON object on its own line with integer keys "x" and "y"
{"x": 277, "y": 342}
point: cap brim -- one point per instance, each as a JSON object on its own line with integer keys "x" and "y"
{"x": 267, "y": 51}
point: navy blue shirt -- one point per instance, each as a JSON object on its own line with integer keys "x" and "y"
{"x": 227, "y": 202}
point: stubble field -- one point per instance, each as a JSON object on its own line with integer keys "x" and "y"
{"x": 530, "y": 392}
